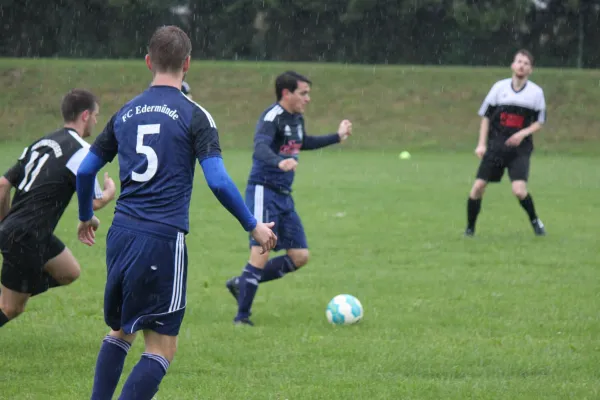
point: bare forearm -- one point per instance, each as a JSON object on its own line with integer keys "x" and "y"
{"x": 107, "y": 197}
{"x": 4, "y": 205}
{"x": 531, "y": 129}
{"x": 5, "y": 188}
{"x": 483, "y": 131}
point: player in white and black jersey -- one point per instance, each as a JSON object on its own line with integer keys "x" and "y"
{"x": 512, "y": 111}
{"x": 44, "y": 179}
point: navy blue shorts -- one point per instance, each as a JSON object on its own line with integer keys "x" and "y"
{"x": 146, "y": 276}
{"x": 271, "y": 206}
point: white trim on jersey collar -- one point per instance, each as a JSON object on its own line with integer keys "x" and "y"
{"x": 76, "y": 136}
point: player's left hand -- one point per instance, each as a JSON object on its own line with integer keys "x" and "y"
{"x": 86, "y": 231}
{"x": 345, "y": 130}
{"x": 514, "y": 140}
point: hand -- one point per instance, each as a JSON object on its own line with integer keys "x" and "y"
{"x": 86, "y": 231}
{"x": 345, "y": 130}
{"x": 289, "y": 164}
{"x": 263, "y": 234}
{"x": 514, "y": 140}
{"x": 109, "y": 187}
{"x": 480, "y": 150}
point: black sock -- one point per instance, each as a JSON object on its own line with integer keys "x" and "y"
{"x": 527, "y": 204}
{"x": 3, "y": 319}
{"x": 473, "y": 208}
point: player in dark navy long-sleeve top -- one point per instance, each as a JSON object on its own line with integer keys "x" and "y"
{"x": 280, "y": 137}
{"x": 157, "y": 137}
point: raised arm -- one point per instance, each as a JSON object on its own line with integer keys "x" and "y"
{"x": 316, "y": 142}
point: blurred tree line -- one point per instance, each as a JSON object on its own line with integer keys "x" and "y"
{"x": 467, "y": 32}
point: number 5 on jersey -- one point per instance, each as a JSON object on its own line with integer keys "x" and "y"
{"x": 151, "y": 129}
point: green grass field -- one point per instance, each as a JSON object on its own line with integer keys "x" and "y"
{"x": 503, "y": 315}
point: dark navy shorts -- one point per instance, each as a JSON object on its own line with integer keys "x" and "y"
{"x": 146, "y": 276}
{"x": 269, "y": 205}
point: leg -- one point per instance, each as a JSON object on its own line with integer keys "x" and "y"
{"x": 63, "y": 267}
{"x": 474, "y": 205}
{"x": 109, "y": 365}
{"x": 146, "y": 376}
{"x": 292, "y": 238}
{"x": 12, "y": 304}
{"x": 60, "y": 268}
{"x": 20, "y": 276}
{"x": 518, "y": 171}
{"x": 115, "y": 346}
{"x": 245, "y": 286}
{"x": 154, "y": 298}
{"x": 490, "y": 169}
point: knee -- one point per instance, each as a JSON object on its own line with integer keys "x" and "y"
{"x": 299, "y": 257}
{"x": 478, "y": 189}
{"x": 519, "y": 189}
{"x": 69, "y": 276}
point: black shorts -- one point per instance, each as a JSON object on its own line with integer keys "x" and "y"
{"x": 493, "y": 164}
{"x": 24, "y": 257}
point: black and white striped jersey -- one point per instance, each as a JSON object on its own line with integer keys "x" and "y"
{"x": 44, "y": 178}
{"x": 509, "y": 111}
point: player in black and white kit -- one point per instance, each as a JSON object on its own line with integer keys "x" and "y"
{"x": 512, "y": 111}
{"x": 44, "y": 179}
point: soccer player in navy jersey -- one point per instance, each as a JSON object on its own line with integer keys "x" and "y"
{"x": 157, "y": 137}
{"x": 279, "y": 137}
{"x": 513, "y": 110}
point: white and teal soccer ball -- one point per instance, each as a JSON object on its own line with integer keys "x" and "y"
{"x": 344, "y": 309}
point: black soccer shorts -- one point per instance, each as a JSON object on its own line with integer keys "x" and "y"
{"x": 492, "y": 166}
{"x": 25, "y": 254}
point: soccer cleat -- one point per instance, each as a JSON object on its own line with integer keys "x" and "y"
{"x": 243, "y": 321}
{"x": 470, "y": 232}
{"x": 233, "y": 285}
{"x": 538, "y": 227}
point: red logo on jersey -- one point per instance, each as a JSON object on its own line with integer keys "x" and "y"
{"x": 512, "y": 120}
{"x": 291, "y": 148}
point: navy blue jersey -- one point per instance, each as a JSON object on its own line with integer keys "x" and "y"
{"x": 280, "y": 135}
{"x": 158, "y": 136}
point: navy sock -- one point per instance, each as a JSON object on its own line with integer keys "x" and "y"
{"x": 277, "y": 267}
{"x": 143, "y": 382}
{"x": 109, "y": 367}
{"x": 248, "y": 287}
{"x": 3, "y": 319}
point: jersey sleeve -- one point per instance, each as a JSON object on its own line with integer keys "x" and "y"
{"x": 205, "y": 135}
{"x": 489, "y": 103}
{"x": 105, "y": 146}
{"x": 15, "y": 174}
{"x": 73, "y": 165}
{"x": 266, "y": 131}
{"x": 541, "y": 108}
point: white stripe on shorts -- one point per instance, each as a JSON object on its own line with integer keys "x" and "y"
{"x": 178, "y": 274}
{"x": 259, "y": 200}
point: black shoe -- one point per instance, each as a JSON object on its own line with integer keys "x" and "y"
{"x": 469, "y": 232}
{"x": 234, "y": 287}
{"x": 538, "y": 227}
{"x": 243, "y": 321}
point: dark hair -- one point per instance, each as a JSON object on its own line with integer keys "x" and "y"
{"x": 527, "y": 54}
{"x": 168, "y": 48}
{"x": 75, "y": 102}
{"x": 288, "y": 80}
